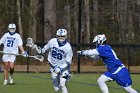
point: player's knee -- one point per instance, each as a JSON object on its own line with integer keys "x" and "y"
{"x": 62, "y": 85}
{"x": 99, "y": 81}
{"x": 54, "y": 76}
{"x": 6, "y": 67}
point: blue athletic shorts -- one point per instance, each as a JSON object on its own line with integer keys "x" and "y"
{"x": 122, "y": 78}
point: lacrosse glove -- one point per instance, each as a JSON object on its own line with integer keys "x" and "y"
{"x": 57, "y": 70}
{"x": 80, "y": 52}
{"x": 25, "y": 54}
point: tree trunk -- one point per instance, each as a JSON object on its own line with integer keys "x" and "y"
{"x": 19, "y": 18}
{"x": 67, "y": 21}
{"x": 33, "y": 20}
{"x": 49, "y": 19}
{"x": 130, "y": 36}
{"x": 85, "y": 25}
{"x": 122, "y": 10}
{"x": 95, "y": 18}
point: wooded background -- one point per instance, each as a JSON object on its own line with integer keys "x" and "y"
{"x": 40, "y": 19}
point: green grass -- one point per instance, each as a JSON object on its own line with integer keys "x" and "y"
{"x": 79, "y": 83}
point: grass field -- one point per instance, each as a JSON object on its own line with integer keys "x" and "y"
{"x": 79, "y": 83}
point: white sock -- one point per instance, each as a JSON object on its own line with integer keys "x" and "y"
{"x": 130, "y": 89}
{"x": 104, "y": 88}
{"x": 64, "y": 90}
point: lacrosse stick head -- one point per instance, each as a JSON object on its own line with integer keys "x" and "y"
{"x": 30, "y": 43}
{"x": 40, "y": 57}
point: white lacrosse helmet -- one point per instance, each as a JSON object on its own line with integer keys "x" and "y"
{"x": 99, "y": 39}
{"x": 12, "y": 28}
{"x": 61, "y": 35}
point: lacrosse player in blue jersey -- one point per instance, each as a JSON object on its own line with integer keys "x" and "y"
{"x": 115, "y": 68}
{"x": 12, "y": 42}
{"x": 59, "y": 57}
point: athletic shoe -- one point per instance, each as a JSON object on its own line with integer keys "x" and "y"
{"x": 11, "y": 80}
{"x": 5, "y": 82}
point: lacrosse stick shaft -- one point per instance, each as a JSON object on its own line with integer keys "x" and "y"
{"x": 10, "y": 53}
{"x": 35, "y": 57}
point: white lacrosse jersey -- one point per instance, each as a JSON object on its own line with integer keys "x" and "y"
{"x": 58, "y": 54}
{"x": 11, "y": 42}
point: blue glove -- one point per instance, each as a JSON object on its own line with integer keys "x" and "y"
{"x": 57, "y": 70}
{"x": 25, "y": 54}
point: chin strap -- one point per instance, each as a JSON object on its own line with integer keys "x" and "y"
{"x": 12, "y": 33}
{"x": 63, "y": 43}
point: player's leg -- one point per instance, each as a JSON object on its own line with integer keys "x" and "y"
{"x": 129, "y": 89}
{"x": 6, "y": 67}
{"x": 12, "y": 60}
{"x": 63, "y": 80}
{"x": 11, "y": 72}
{"x": 101, "y": 81}
{"x": 56, "y": 81}
{"x": 63, "y": 85}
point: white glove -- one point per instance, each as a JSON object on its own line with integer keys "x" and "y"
{"x": 25, "y": 54}
{"x": 57, "y": 70}
{"x": 39, "y": 50}
{"x": 80, "y": 52}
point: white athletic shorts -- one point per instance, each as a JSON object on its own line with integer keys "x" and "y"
{"x": 8, "y": 58}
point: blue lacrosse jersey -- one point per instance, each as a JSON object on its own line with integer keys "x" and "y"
{"x": 109, "y": 58}
{"x": 113, "y": 63}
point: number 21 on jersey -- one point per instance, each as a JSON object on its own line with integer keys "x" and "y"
{"x": 10, "y": 43}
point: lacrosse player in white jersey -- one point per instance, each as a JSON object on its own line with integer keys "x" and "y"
{"x": 11, "y": 41}
{"x": 59, "y": 57}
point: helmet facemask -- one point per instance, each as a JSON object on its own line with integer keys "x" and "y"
{"x": 12, "y": 28}
{"x": 99, "y": 40}
{"x": 61, "y": 39}
{"x": 61, "y": 35}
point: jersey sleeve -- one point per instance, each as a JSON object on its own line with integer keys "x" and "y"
{"x": 47, "y": 46}
{"x": 2, "y": 40}
{"x": 90, "y": 52}
{"x": 69, "y": 55}
{"x": 20, "y": 42}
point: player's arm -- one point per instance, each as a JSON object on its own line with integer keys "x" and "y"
{"x": 93, "y": 53}
{"x": 20, "y": 45}
{"x": 21, "y": 48}
{"x": 2, "y": 40}
{"x": 44, "y": 49}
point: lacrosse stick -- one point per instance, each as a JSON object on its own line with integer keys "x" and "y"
{"x": 38, "y": 57}
{"x": 31, "y": 44}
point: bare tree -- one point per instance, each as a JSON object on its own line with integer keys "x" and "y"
{"x": 19, "y": 18}
{"x": 67, "y": 20}
{"x": 86, "y": 23}
{"x": 122, "y": 13}
{"x": 33, "y": 19}
{"x": 49, "y": 19}
{"x": 75, "y": 23}
{"x": 95, "y": 18}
